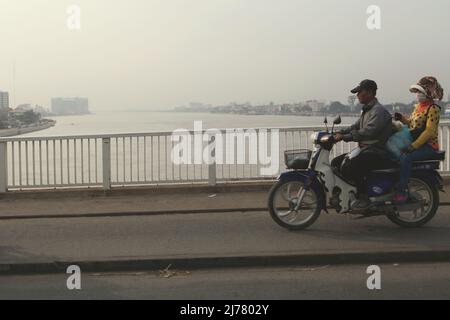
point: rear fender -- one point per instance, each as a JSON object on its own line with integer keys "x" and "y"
{"x": 310, "y": 181}
{"x": 431, "y": 176}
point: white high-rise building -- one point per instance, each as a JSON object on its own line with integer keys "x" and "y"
{"x": 4, "y": 100}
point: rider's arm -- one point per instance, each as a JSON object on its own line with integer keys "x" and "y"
{"x": 347, "y": 132}
{"x": 375, "y": 124}
{"x": 354, "y": 126}
{"x": 431, "y": 129}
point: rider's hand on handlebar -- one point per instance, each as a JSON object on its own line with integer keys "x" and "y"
{"x": 338, "y": 137}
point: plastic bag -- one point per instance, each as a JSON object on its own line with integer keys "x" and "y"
{"x": 399, "y": 141}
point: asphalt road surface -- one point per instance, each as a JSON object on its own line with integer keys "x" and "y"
{"x": 413, "y": 281}
{"x": 206, "y": 234}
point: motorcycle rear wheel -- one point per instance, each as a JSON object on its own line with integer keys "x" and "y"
{"x": 422, "y": 191}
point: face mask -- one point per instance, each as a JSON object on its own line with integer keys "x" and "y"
{"x": 421, "y": 97}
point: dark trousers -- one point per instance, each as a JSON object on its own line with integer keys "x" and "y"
{"x": 425, "y": 152}
{"x": 356, "y": 170}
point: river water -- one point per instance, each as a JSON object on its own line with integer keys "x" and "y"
{"x": 135, "y": 122}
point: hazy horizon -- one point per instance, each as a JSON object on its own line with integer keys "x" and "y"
{"x": 155, "y": 55}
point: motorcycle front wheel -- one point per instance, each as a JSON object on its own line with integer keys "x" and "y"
{"x": 428, "y": 198}
{"x": 285, "y": 209}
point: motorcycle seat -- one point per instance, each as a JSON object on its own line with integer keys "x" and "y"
{"x": 429, "y": 164}
{"x": 417, "y": 165}
{"x": 440, "y": 155}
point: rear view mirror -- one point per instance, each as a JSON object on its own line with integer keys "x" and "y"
{"x": 337, "y": 120}
{"x": 325, "y": 121}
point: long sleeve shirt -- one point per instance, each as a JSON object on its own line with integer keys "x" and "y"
{"x": 374, "y": 127}
{"x": 418, "y": 120}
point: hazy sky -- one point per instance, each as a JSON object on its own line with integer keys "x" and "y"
{"x": 144, "y": 54}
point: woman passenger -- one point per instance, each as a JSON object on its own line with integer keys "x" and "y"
{"x": 423, "y": 124}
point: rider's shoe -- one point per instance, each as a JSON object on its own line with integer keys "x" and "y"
{"x": 400, "y": 198}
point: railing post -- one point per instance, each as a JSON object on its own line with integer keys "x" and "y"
{"x": 3, "y": 167}
{"x": 106, "y": 157}
{"x": 212, "y": 178}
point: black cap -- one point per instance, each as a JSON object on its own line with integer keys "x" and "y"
{"x": 365, "y": 85}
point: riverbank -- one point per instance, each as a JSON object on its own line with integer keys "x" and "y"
{"x": 27, "y": 129}
{"x": 290, "y": 114}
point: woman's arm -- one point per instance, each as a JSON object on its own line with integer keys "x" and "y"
{"x": 406, "y": 120}
{"x": 431, "y": 129}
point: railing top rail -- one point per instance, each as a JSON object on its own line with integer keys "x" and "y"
{"x": 168, "y": 133}
{"x": 155, "y": 133}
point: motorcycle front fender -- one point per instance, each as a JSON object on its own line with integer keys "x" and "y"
{"x": 309, "y": 180}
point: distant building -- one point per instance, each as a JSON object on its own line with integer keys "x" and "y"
{"x": 447, "y": 109}
{"x": 29, "y": 107}
{"x": 4, "y": 100}
{"x": 352, "y": 102}
{"x": 41, "y": 110}
{"x": 24, "y": 107}
{"x": 70, "y": 106}
{"x": 199, "y": 107}
{"x": 315, "y": 105}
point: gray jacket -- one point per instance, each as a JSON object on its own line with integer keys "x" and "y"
{"x": 373, "y": 128}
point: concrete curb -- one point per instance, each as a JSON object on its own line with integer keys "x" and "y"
{"x": 188, "y": 188}
{"x": 144, "y": 213}
{"x": 128, "y": 214}
{"x": 193, "y": 263}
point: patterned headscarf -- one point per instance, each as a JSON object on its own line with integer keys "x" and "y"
{"x": 430, "y": 87}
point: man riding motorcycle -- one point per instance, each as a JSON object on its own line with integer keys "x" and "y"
{"x": 371, "y": 131}
{"x": 362, "y": 183}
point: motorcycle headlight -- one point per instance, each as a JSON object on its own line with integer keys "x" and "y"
{"x": 324, "y": 139}
{"x": 314, "y": 137}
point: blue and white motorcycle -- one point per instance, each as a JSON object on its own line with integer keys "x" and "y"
{"x": 312, "y": 185}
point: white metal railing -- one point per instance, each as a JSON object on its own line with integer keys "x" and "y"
{"x": 135, "y": 159}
